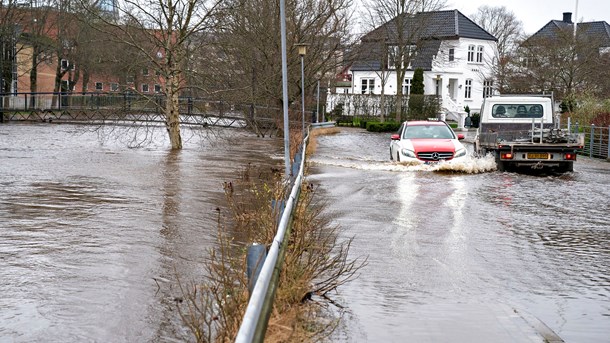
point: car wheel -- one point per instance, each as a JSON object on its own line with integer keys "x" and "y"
{"x": 398, "y": 156}
{"x": 391, "y": 156}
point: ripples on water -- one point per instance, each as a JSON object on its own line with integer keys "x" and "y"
{"x": 468, "y": 234}
{"x": 93, "y": 232}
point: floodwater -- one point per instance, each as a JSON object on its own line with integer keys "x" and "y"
{"x": 95, "y": 232}
{"x": 444, "y": 242}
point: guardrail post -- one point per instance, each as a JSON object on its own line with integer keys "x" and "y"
{"x": 591, "y": 140}
{"x": 254, "y": 263}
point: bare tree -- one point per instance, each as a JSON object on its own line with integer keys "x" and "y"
{"x": 247, "y": 55}
{"x": 159, "y": 31}
{"x": 563, "y": 63}
{"x": 504, "y": 25}
{"x": 401, "y": 30}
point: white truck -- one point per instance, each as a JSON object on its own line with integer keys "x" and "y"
{"x": 523, "y": 132}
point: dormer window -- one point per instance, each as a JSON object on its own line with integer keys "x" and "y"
{"x": 410, "y": 51}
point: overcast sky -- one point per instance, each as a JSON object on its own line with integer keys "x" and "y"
{"x": 534, "y": 14}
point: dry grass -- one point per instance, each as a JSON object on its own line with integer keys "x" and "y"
{"x": 313, "y": 142}
{"x": 315, "y": 264}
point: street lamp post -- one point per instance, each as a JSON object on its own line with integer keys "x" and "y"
{"x": 318, "y": 104}
{"x": 302, "y": 52}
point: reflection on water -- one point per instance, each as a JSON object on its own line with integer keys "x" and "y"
{"x": 539, "y": 244}
{"x": 93, "y": 233}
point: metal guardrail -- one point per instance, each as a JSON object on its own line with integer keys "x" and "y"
{"x": 256, "y": 317}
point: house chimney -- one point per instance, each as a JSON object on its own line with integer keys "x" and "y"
{"x": 567, "y": 17}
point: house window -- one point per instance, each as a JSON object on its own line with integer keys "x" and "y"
{"x": 410, "y": 51}
{"x": 393, "y": 55}
{"x": 471, "y": 53}
{"x": 99, "y": 86}
{"x": 114, "y": 86}
{"x": 406, "y": 86}
{"x": 368, "y": 86}
{"x": 145, "y": 71}
{"x": 488, "y": 88}
{"x": 130, "y": 78}
{"x": 451, "y": 55}
{"x": 468, "y": 89}
{"x": 145, "y": 88}
{"x": 480, "y": 54}
{"x": 157, "y": 88}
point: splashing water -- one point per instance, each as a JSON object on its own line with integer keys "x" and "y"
{"x": 469, "y": 165}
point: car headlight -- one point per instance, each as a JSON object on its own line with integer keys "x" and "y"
{"x": 408, "y": 153}
{"x": 460, "y": 152}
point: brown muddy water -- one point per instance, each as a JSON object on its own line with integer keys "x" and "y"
{"x": 445, "y": 242}
{"x": 94, "y": 233}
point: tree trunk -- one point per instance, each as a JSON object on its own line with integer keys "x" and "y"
{"x": 172, "y": 113}
{"x": 34, "y": 75}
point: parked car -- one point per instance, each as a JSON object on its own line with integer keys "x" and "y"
{"x": 426, "y": 141}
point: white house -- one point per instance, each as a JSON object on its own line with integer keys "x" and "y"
{"x": 456, "y": 54}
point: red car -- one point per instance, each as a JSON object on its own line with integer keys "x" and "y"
{"x": 426, "y": 141}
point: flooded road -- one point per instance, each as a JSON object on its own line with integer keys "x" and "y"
{"x": 93, "y": 234}
{"x": 442, "y": 244}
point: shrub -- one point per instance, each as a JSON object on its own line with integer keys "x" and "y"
{"x": 475, "y": 119}
{"x": 388, "y": 126}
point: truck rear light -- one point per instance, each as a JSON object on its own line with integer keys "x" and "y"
{"x": 506, "y": 156}
{"x": 570, "y": 156}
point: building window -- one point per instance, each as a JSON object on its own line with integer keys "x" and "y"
{"x": 157, "y": 88}
{"x": 471, "y": 53}
{"x": 145, "y": 71}
{"x": 406, "y": 86}
{"x": 65, "y": 86}
{"x": 451, "y": 55}
{"x": 393, "y": 52}
{"x": 99, "y": 86}
{"x": 129, "y": 78}
{"x": 145, "y": 88}
{"x": 114, "y": 86}
{"x": 368, "y": 86}
{"x": 468, "y": 89}
{"x": 65, "y": 64}
{"x": 488, "y": 88}
{"x": 480, "y": 54}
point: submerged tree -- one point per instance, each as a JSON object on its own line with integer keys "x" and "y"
{"x": 160, "y": 31}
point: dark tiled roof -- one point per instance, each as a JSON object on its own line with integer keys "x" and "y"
{"x": 437, "y": 24}
{"x": 426, "y": 29}
{"x": 423, "y": 59}
{"x": 599, "y": 30}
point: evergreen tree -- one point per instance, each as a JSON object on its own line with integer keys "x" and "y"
{"x": 418, "y": 82}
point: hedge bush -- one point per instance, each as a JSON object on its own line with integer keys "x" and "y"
{"x": 388, "y": 126}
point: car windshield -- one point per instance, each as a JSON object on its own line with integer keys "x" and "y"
{"x": 428, "y": 131}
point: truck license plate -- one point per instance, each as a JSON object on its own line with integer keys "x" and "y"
{"x": 537, "y": 156}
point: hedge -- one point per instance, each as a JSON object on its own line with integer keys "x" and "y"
{"x": 388, "y": 126}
